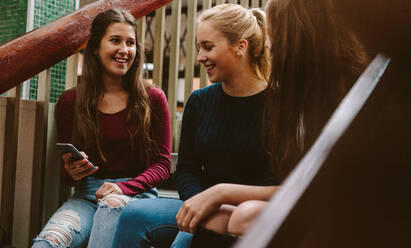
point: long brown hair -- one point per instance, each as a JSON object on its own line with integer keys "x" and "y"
{"x": 235, "y": 23}
{"x": 91, "y": 88}
{"x": 315, "y": 61}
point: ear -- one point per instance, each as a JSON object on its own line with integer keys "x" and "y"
{"x": 242, "y": 47}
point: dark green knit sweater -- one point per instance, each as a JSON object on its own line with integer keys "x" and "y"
{"x": 221, "y": 142}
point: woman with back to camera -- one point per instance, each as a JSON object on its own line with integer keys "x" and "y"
{"x": 315, "y": 61}
{"x": 122, "y": 125}
{"x": 221, "y": 132}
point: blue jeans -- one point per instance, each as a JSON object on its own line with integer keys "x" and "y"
{"x": 81, "y": 219}
{"x": 183, "y": 240}
{"x": 147, "y": 223}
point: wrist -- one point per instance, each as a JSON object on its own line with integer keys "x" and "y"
{"x": 222, "y": 191}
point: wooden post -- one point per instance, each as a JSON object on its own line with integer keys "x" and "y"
{"x": 3, "y": 111}
{"x": 9, "y": 170}
{"x": 159, "y": 46}
{"x": 245, "y": 3}
{"x": 203, "y": 73}
{"x": 174, "y": 67}
{"x": 71, "y": 71}
{"x": 23, "y": 201}
{"x": 219, "y": 1}
{"x": 255, "y": 3}
{"x": 40, "y": 143}
{"x": 51, "y": 189}
{"x": 190, "y": 48}
{"x": 142, "y": 39}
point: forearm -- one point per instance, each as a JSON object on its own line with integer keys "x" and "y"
{"x": 235, "y": 194}
{"x": 153, "y": 176}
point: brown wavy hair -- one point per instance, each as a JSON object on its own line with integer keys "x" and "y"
{"x": 315, "y": 61}
{"x": 86, "y": 133}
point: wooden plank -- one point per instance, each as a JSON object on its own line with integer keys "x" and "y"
{"x": 302, "y": 177}
{"x": 219, "y": 2}
{"x": 159, "y": 46}
{"x": 245, "y": 3}
{"x": 23, "y": 201}
{"x": 9, "y": 170}
{"x": 3, "y": 111}
{"x": 44, "y": 81}
{"x": 255, "y": 3}
{"x": 51, "y": 180}
{"x": 232, "y": 1}
{"x": 141, "y": 32}
{"x": 71, "y": 71}
{"x": 12, "y": 92}
{"x": 263, "y": 3}
{"x": 190, "y": 48}
{"x": 40, "y": 142}
{"x": 207, "y": 4}
{"x": 33, "y": 52}
{"x": 203, "y": 74}
{"x": 174, "y": 67}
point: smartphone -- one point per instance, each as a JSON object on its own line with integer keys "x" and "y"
{"x": 69, "y": 148}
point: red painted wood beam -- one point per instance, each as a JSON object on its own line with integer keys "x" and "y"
{"x": 33, "y": 52}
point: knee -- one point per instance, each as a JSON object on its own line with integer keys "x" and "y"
{"x": 114, "y": 201}
{"x": 58, "y": 232}
{"x": 244, "y": 215}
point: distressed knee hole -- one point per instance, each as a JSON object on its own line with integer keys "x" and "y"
{"x": 113, "y": 201}
{"x": 58, "y": 231}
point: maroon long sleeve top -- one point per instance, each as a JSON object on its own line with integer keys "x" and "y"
{"x": 121, "y": 160}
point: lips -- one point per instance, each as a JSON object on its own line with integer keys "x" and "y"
{"x": 209, "y": 67}
{"x": 120, "y": 60}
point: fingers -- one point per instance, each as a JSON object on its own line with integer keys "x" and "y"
{"x": 188, "y": 218}
{"x": 107, "y": 189}
{"x": 78, "y": 169}
{"x": 84, "y": 154}
{"x": 85, "y": 172}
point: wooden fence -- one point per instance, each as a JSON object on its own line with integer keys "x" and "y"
{"x": 30, "y": 190}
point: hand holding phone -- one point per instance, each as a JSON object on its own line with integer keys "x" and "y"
{"x": 69, "y": 148}
{"x": 75, "y": 167}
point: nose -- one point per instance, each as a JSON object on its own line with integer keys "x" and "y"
{"x": 123, "y": 48}
{"x": 200, "y": 57}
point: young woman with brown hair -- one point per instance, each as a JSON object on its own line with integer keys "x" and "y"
{"x": 122, "y": 125}
{"x": 316, "y": 59}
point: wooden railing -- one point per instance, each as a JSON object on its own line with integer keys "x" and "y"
{"x": 30, "y": 189}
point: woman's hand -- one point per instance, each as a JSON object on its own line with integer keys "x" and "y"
{"x": 78, "y": 169}
{"x": 108, "y": 189}
{"x": 197, "y": 208}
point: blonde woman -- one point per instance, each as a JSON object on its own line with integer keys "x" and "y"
{"x": 221, "y": 142}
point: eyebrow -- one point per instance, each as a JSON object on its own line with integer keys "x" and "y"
{"x": 203, "y": 42}
{"x": 119, "y": 36}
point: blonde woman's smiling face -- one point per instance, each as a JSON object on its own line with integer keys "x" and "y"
{"x": 215, "y": 52}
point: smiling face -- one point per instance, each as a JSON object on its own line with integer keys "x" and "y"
{"x": 117, "y": 50}
{"x": 216, "y": 53}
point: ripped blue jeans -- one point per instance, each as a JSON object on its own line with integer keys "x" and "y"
{"x": 80, "y": 219}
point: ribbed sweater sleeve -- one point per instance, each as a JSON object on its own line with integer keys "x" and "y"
{"x": 188, "y": 166}
{"x": 158, "y": 169}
